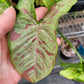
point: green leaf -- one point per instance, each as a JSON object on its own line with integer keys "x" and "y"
{"x": 69, "y": 65}
{"x": 8, "y": 2}
{"x": 33, "y": 46}
{"x": 49, "y": 3}
{"x": 3, "y": 6}
{"x": 46, "y": 3}
{"x": 39, "y": 2}
{"x": 72, "y": 73}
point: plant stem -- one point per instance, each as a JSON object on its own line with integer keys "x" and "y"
{"x": 81, "y": 59}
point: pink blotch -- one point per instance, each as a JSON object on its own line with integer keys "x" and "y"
{"x": 28, "y": 70}
{"x": 20, "y": 64}
{"x": 54, "y": 13}
{"x": 43, "y": 42}
{"x": 15, "y": 58}
{"x": 40, "y": 53}
{"x": 22, "y": 56}
{"x": 31, "y": 48}
{"x": 34, "y": 39}
{"x": 18, "y": 54}
{"x": 24, "y": 46}
{"x": 40, "y": 28}
{"x": 61, "y": 5}
{"x": 40, "y": 42}
{"x": 31, "y": 53}
{"x": 14, "y": 36}
{"x": 49, "y": 53}
{"x": 27, "y": 25}
{"x": 17, "y": 23}
{"x": 26, "y": 75}
{"x": 24, "y": 10}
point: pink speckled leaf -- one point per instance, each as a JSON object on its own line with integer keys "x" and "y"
{"x": 33, "y": 46}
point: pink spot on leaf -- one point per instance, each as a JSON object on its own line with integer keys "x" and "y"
{"x": 18, "y": 54}
{"x": 34, "y": 39}
{"x": 40, "y": 53}
{"x": 42, "y": 42}
{"x": 40, "y": 28}
{"x": 27, "y": 25}
{"x": 25, "y": 10}
{"x": 49, "y": 53}
{"x": 26, "y": 75}
{"x": 22, "y": 56}
{"x": 54, "y": 13}
{"x": 15, "y": 59}
{"x": 21, "y": 64}
{"x": 14, "y": 36}
{"x": 61, "y": 5}
{"x": 28, "y": 70}
{"x": 31, "y": 48}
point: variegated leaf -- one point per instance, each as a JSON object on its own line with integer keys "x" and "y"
{"x": 33, "y": 46}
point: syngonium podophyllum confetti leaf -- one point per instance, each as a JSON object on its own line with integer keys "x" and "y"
{"x": 33, "y": 46}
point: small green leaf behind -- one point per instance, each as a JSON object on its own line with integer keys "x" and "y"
{"x": 73, "y": 73}
{"x": 49, "y": 3}
{"x": 39, "y": 2}
{"x": 69, "y": 65}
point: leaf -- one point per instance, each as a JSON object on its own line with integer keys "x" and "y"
{"x": 3, "y": 6}
{"x": 69, "y": 65}
{"x": 49, "y": 3}
{"x": 75, "y": 70}
{"x": 8, "y": 2}
{"x": 46, "y": 3}
{"x": 33, "y": 46}
{"x": 39, "y": 2}
{"x": 72, "y": 73}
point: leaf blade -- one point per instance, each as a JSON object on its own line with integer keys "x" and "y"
{"x": 3, "y": 6}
